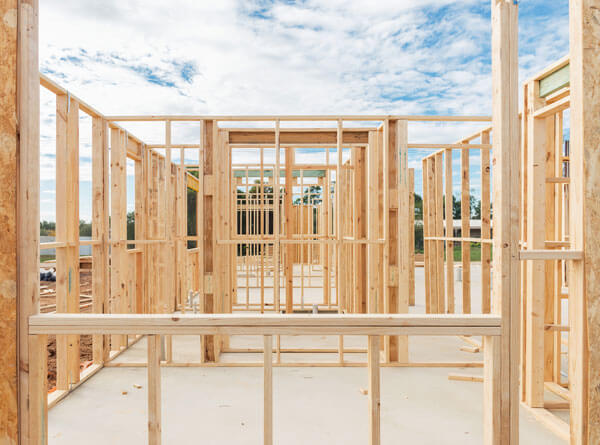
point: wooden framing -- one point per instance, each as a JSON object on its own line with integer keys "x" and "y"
{"x": 584, "y": 350}
{"x": 364, "y": 251}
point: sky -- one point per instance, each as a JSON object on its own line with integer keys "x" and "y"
{"x": 239, "y": 57}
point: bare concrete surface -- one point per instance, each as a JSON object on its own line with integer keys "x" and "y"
{"x": 223, "y": 405}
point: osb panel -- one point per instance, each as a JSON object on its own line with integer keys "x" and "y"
{"x": 8, "y": 216}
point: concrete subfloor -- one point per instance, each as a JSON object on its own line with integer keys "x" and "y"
{"x": 223, "y": 405}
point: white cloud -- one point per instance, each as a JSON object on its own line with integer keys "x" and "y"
{"x": 263, "y": 57}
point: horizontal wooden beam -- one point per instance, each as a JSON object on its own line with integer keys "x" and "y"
{"x": 555, "y": 107}
{"x": 267, "y": 324}
{"x": 267, "y": 136}
{"x": 550, "y": 255}
{"x": 299, "y": 118}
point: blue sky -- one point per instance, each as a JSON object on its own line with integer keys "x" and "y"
{"x": 279, "y": 57}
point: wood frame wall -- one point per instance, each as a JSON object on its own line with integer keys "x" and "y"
{"x": 501, "y": 387}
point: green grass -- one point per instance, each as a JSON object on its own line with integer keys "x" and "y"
{"x": 46, "y": 258}
{"x": 475, "y": 251}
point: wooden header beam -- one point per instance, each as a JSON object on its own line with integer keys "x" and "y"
{"x": 299, "y": 118}
{"x": 266, "y": 324}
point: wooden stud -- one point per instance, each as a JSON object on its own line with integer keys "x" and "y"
{"x": 449, "y": 231}
{"x": 16, "y": 305}
{"x": 100, "y": 231}
{"x": 268, "y": 390}
{"x": 67, "y": 230}
{"x": 536, "y": 187}
{"x": 584, "y": 208}
{"x": 465, "y": 218}
{"x": 154, "y": 391}
{"x": 486, "y": 232}
{"x": 374, "y": 388}
{"x": 501, "y": 361}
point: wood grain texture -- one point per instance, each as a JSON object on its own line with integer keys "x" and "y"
{"x": 8, "y": 221}
{"x": 584, "y": 279}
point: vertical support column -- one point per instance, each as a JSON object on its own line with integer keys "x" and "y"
{"x": 426, "y": 242}
{"x": 38, "y": 376}
{"x": 67, "y": 231}
{"x": 465, "y": 232}
{"x": 523, "y": 239}
{"x": 15, "y": 306}
{"x": 289, "y": 251}
{"x": 27, "y": 193}
{"x": 118, "y": 231}
{"x": 400, "y": 233}
{"x": 168, "y": 280}
{"x": 140, "y": 232}
{"x": 411, "y": 238}
{"x": 154, "y": 391}
{"x": 486, "y": 232}
{"x": 360, "y": 229}
{"x": 373, "y": 278}
{"x": 439, "y": 231}
{"x": 584, "y": 208}
{"x": 340, "y": 185}
{"x": 549, "y": 266}
{"x": 268, "y": 390}
{"x": 208, "y": 139}
{"x": 325, "y": 220}
{"x": 429, "y": 223}
{"x": 449, "y": 232}
{"x": 276, "y": 217}
{"x": 200, "y": 218}
{"x": 374, "y": 387}
{"x": 501, "y": 357}
{"x": 536, "y": 188}
{"x": 100, "y": 222}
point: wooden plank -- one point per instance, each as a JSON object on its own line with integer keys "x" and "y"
{"x": 411, "y": 239}
{"x": 12, "y": 405}
{"x": 549, "y": 266}
{"x": 486, "y": 232}
{"x": 465, "y": 219}
{"x": 268, "y": 390}
{"x": 439, "y": 230}
{"x": 67, "y": 230}
{"x": 268, "y": 324}
{"x": 118, "y": 231}
{"x": 402, "y": 227}
{"x": 289, "y": 260}
{"x": 276, "y": 220}
{"x": 312, "y": 136}
{"x": 38, "y": 377}
{"x": 374, "y": 391}
{"x": 550, "y": 254}
{"x": 465, "y": 377}
{"x": 536, "y": 189}
{"x": 372, "y": 223}
{"x": 584, "y": 211}
{"x": 154, "y": 391}
{"x": 208, "y": 353}
{"x": 501, "y": 357}
{"x": 100, "y": 226}
{"x": 449, "y": 232}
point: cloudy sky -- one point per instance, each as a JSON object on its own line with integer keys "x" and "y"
{"x": 279, "y": 57}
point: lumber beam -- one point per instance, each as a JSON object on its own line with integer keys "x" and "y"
{"x": 536, "y": 274}
{"x": 100, "y": 231}
{"x": 501, "y": 356}
{"x": 9, "y": 243}
{"x": 316, "y": 136}
{"x": 67, "y": 231}
{"x": 584, "y": 207}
